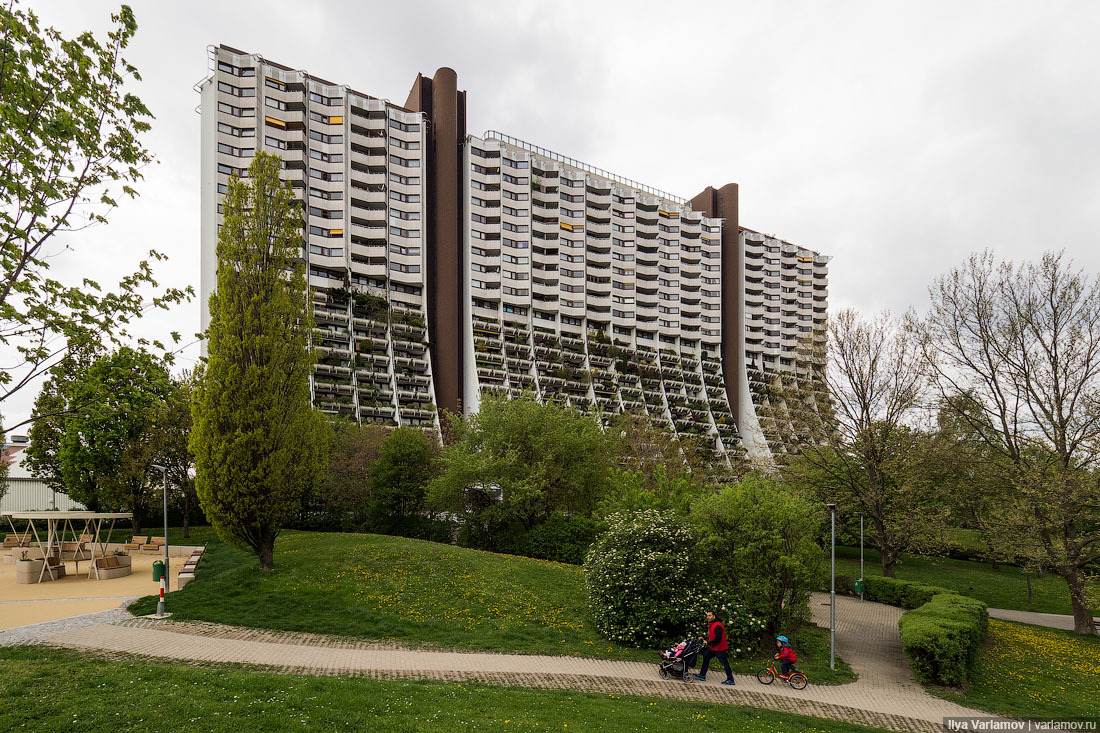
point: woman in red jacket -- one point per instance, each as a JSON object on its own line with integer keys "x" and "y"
{"x": 716, "y": 647}
{"x": 786, "y": 656}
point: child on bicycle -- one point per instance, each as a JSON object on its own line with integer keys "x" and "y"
{"x": 785, "y": 655}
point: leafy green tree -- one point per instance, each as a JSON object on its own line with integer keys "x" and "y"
{"x": 342, "y": 500}
{"x": 69, "y": 145}
{"x": 52, "y": 408}
{"x": 637, "y": 490}
{"x": 258, "y": 444}
{"x": 107, "y": 449}
{"x": 761, "y": 540}
{"x": 171, "y": 433}
{"x": 399, "y": 479}
{"x": 516, "y": 461}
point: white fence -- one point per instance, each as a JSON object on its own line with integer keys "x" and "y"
{"x": 32, "y": 495}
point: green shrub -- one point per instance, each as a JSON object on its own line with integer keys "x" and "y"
{"x": 647, "y": 586}
{"x": 941, "y": 638}
{"x": 758, "y": 540}
{"x": 903, "y": 593}
{"x": 562, "y": 538}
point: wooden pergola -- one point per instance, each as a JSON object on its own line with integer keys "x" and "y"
{"x": 57, "y": 523}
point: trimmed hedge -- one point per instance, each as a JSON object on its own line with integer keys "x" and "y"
{"x": 941, "y": 638}
{"x": 903, "y": 593}
{"x": 942, "y": 632}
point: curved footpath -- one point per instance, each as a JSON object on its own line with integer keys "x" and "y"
{"x": 885, "y": 696}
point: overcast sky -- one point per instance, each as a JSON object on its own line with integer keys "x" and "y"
{"x": 897, "y": 137}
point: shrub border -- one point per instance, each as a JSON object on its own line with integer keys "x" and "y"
{"x": 941, "y": 632}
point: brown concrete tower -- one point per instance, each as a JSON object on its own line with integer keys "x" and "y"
{"x": 722, "y": 204}
{"x": 440, "y": 100}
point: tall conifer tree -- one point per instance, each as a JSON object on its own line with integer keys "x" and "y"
{"x": 257, "y": 443}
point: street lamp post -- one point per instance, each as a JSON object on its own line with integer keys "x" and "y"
{"x": 832, "y": 589}
{"x": 164, "y": 580}
{"x": 861, "y": 556}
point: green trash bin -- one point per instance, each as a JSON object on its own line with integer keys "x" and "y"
{"x": 859, "y": 585}
{"x": 158, "y": 570}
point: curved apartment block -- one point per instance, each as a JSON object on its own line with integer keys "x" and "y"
{"x": 446, "y": 266}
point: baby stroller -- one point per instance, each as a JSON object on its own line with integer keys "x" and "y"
{"x": 678, "y": 661}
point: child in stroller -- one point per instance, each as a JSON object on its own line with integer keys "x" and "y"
{"x": 677, "y": 661}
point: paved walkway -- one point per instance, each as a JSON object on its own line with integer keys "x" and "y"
{"x": 885, "y": 696}
{"x": 1052, "y": 620}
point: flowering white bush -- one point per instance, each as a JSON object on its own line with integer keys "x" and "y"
{"x": 646, "y": 587}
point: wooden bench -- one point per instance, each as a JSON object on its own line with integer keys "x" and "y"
{"x": 155, "y": 544}
{"x": 137, "y": 542}
{"x": 17, "y": 540}
{"x": 112, "y": 566}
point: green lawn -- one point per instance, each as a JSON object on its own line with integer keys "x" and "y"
{"x": 1028, "y": 670}
{"x": 418, "y": 593}
{"x": 54, "y": 689}
{"x": 1005, "y": 587}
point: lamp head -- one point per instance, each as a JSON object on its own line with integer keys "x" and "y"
{"x": 159, "y": 468}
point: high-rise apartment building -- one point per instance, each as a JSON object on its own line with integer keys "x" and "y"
{"x": 446, "y": 266}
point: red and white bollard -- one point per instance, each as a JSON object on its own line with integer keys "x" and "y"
{"x": 160, "y": 603}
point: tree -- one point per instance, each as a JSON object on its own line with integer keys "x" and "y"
{"x": 760, "y": 540}
{"x": 107, "y": 450}
{"x": 643, "y": 446}
{"x": 341, "y": 501}
{"x": 517, "y": 461}
{"x": 399, "y": 480}
{"x": 69, "y": 144}
{"x": 170, "y": 435}
{"x": 258, "y": 444}
{"x": 1015, "y": 355}
{"x": 868, "y": 456}
{"x": 52, "y": 408}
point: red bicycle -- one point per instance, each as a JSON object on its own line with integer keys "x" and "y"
{"x": 795, "y": 679}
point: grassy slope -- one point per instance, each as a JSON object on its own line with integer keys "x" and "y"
{"x": 1005, "y": 587}
{"x": 415, "y": 592}
{"x": 1032, "y": 671}
{"x": 51, "y": 689}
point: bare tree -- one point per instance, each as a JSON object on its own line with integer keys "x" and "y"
{"x": 1022, "y": 344}
{"x": 868, "y": 454}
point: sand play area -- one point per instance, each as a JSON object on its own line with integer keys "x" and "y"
{"x": 74, "y": 594}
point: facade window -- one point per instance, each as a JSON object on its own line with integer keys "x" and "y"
{"x": 522, "y": 292}
{"x": 405, "y": 215}
{"x": 236, "y": 131}
{"x": 405, "y": 126}
{"x": 514, "y": 260}
{"x": 320, "y": 232}
{"x": 236, "y": 91}
{"x": 516, "y": 243}
{"x": 325, "y": 176}
{"x": 236, "y": 111}
{"x": 509, "y": 226}
{"x": 515, "y": 212}
{"x": 518, "y": 310}
{"x": 516, "y": 195}
{"x": 327, "y": 195}
{"x": 516, "y": 163}
{"x": 327, "y": 101}
{"x": 407, "y": 251}
{"x": 407, "y": 162}
{"x": 405, "y": 180}
{"x": 408, "y": 198}
{"x": 275, "y": 103}
{"x": 236, "y": 70}
{"x": 323, "y": 138}
{"x": 274, "y": 84}
{"x": 405, "y": 144}
{"x": 326, "y": 213}
{"x": 516, "y": 180}
{"x": 485, "y": 153}
{"x": 326, "y": 251}
{"x": 399, "y": 267}
{"x": 516, "y": 275}
{"x": 326, "y": 119}
{"x": 407, "y": 233}
{"x": 326, "y": 157}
